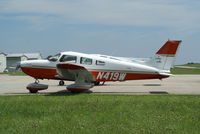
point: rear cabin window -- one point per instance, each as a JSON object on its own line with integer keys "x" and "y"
{"x": 101, "y": 63}
{"x": 86, "y": 61}
{"x": 68, "y": 58}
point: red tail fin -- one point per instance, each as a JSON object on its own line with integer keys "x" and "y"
{"x": 169, "y": 48}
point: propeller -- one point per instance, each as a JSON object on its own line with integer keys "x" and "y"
{"x": 18, "y": 66}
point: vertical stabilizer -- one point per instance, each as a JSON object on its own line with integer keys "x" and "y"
{"x": 165, "y": 56}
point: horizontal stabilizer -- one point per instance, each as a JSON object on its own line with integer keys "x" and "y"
{"x": 166, "y": 74}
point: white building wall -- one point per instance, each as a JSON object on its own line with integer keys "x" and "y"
{"x": 23, "y": 58}
{"x": 9, "y": 61}
{"x": 2, "y": 62}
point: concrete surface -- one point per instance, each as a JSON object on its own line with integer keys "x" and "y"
{"x": 179, "y": 84}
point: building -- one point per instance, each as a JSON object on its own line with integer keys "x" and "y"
{"x": 8, "y": 62}
{"x": 13, "y": 59}
{"x": 2, "y": 62}
{"x": 33, "y": 56}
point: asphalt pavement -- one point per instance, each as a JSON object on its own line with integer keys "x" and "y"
{"x": 178, "y": 84}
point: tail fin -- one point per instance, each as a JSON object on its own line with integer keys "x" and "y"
{"x": 165, "y": 56}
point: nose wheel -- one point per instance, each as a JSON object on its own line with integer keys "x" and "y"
{"x": 33, "y": 91}
{"x": 35, "y": 87}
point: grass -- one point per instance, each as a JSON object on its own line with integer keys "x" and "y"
{"x": 15, "y": 73}
{"x": 178, "y": 70}
{"x": 193, "y": 65}
{"x": 100, "y": 114}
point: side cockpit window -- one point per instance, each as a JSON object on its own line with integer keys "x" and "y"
{"x": 68, "y": 58}
{"x": 86, "y": 61}
{"x": 101, "y": 63}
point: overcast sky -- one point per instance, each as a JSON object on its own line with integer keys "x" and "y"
{"x": 131, "y": 28}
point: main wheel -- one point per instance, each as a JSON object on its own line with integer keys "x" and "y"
{"x": 61, "y": 83}
{"x": 37, "y": 81}
{"x": 33, "y": 91}
{"x": 103, "y": 83}
{"x": 96, "y": 83}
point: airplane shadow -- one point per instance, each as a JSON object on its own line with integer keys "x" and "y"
{"x": 60, "y": 93}
{"x": 67, "y": 93}
{"x": 132, "y": 85}
{"x": 152, "y": 85}
{"x": 158, "y": 92}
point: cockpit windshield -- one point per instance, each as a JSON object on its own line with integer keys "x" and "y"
{"x": 54, "y": 58}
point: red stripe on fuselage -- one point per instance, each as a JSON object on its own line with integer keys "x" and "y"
{"x": 45, "y": 73}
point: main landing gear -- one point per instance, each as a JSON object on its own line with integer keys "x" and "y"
{"x": 97, "y": 83}
{"x": 37, "y": 81}
{"x": 82, "y": 86}
{"x": 35, "y": 87}
{"x": 61, "y": 83}
{"x": 33, "y": 91}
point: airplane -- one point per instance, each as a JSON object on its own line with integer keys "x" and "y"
{"x": 87, "y": 70}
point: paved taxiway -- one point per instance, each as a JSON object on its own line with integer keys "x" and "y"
{"x": 179, "y": 84}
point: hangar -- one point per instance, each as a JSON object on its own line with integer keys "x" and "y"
{"x": 13, "y": 59}
{"x": 8, "y": 62}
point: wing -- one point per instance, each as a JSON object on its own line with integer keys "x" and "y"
{"x": 74, "y": 72}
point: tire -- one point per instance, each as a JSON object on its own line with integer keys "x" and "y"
{"x": 96, "y": 83}
{"x": 61, "y": 83}
{"x": 33, "y": 91}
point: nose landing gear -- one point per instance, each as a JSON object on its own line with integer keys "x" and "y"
{"x": 35, "y": 87}
{"x": 61, "y": 83}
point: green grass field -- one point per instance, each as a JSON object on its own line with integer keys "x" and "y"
{"x": 100, "y": 114}
{"x": 15, "y": 73}
{"x": 185, "y": 71}
{"x": 192, "y": 65}
{"x": 178, "y": 70}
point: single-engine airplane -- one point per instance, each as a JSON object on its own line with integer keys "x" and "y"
{"x": 88, "y": 70}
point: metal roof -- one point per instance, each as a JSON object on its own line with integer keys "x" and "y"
{"x": 28, "y": 55}
{"x": 3, "y": 53}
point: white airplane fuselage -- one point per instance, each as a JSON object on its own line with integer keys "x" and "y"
{"x": 108, "y": 68}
